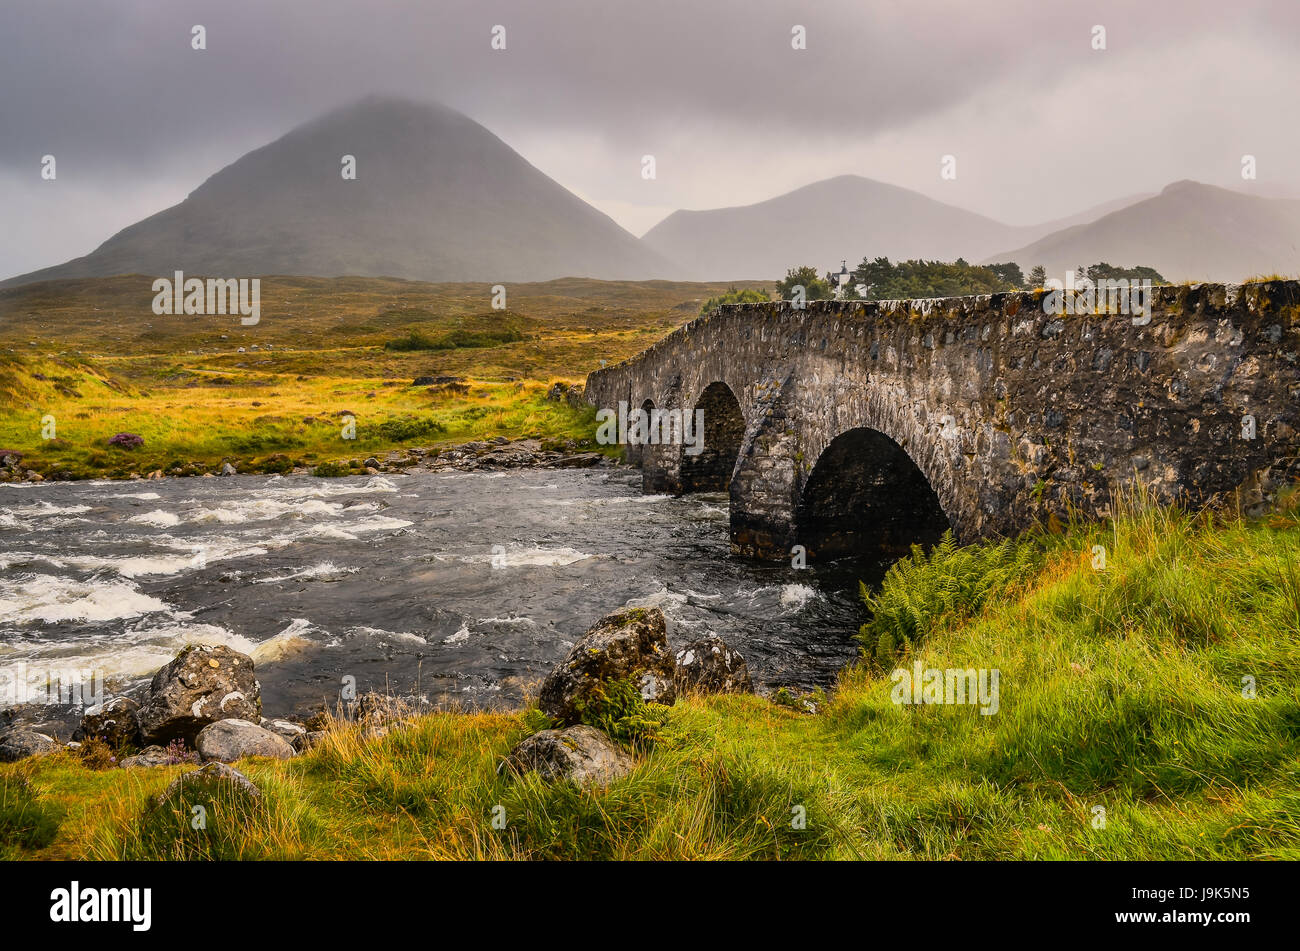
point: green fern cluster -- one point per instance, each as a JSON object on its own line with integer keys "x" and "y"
{"x": 535, "y": 721}
{"x": 617, "y": 707}
{"x": 948, "y": 582}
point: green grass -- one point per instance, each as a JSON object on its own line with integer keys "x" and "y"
{"x": 418, "y": 340}
{"x": 1120, "y": 688}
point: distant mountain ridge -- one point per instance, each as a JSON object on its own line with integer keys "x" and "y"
{"x": 1190, "y": 231}
{"x": 848, "y": 217}
{"x": 440, "y": 198}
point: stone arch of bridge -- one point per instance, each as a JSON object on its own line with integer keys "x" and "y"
{"x": 660, "y": 460}
{"x": 633, "y": 450}
{"x": 879, "y": 472}
{"x": 865, "y": 497}
{"x": 715, "y": 427}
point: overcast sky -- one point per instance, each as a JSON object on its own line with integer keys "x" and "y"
{"x": 1041, "y": 124}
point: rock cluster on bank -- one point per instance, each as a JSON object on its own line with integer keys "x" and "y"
{"x": 493, "y": 454}
{"x": 205, "y": 706}
{"x": 207, "y": 699}
{"x": 13, "y": 470}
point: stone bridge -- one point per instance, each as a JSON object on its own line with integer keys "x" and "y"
{"x": 861, "y": 428}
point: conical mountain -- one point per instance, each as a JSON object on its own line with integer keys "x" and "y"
{"x": 436, "y": 197}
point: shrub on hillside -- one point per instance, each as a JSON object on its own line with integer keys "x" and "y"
{"x": 733, "y": 296}
{"x": 403, "y": 428}
{"x": 278, "y": 463}
{"x": 457, "y": 339}
{"x": 126, "y": 441}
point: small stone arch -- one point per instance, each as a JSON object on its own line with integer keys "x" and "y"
{"x": 660, "y": 461}
{"x": 717, "y": 424}
{"x": 634, "y": 451}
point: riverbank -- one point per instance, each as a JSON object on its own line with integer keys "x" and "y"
{"x": 338, "y": 370}
{"x": 1147, "y": 709}
{"x": 521, "y": 425}
{"x": 492, "y": 454}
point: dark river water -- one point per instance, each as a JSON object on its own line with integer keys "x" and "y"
{"x": 463, "y": 587}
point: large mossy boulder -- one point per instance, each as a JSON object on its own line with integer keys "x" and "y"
{"x": 580, "y": 754}
{"x": 204, "y": 684}
{"x": 629, "y": 645}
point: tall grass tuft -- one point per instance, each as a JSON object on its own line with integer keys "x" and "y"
{"x": 209, "y": 820}
{"x": 26, "y": 820}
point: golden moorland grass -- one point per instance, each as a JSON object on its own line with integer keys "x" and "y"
{"x": 83, "y": 360}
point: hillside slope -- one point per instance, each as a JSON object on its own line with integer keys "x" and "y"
{"x": 1189, "y": 231}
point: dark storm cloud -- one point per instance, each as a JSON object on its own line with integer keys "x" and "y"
{"x": 119, "y": 81}
{"x": 116, "y": 93}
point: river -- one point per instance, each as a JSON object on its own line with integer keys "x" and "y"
{"x": 463, "y": 587}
